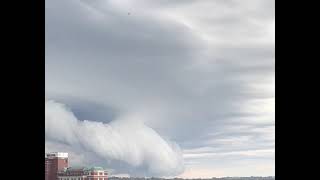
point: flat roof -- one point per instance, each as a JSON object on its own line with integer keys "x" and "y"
{"x": 57, "y": 154}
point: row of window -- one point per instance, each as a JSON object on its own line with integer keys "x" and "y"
{"x": 79, "y": 178}
{"x": 92, "y": 173}
{"x": 96, "y": 173}
{"x": 86, "y": 173}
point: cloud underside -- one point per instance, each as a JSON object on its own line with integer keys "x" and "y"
{"x": 126, "y": 141}
{"x": 196, "y": 73}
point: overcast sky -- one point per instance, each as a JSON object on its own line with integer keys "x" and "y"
{"x": 162, "y": 87}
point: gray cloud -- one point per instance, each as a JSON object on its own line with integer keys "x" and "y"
{"x": 125, "y": 140}
{"x": 200, "y": 73}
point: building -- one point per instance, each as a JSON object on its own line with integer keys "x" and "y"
{"x": 55, "y": 162}
{"x": 94, "y": 173}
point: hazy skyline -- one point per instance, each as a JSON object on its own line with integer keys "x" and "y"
{"x": 162, "y": 88}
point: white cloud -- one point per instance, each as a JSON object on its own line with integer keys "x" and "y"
{"x": 126, "y": 140}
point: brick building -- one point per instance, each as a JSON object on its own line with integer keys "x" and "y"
{"x": 55, "y": 162}
{"x": 94, "y": 173}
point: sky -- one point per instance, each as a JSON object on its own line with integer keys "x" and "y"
{"x": 166, "y": 88}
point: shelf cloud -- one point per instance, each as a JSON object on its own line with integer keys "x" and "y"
{"x": 195, "y": 78}
{"x": 125, "y": 140}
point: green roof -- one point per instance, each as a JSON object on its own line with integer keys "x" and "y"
{"x": 94, "y": 169}
{"x": 74, "y": 168}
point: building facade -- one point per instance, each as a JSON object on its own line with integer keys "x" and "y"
{"x": 94, "y": 173}
{"x": 55, "y": 162}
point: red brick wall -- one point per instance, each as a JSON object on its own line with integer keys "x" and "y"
{"x": 53, "y": 166}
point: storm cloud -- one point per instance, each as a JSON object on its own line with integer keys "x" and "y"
{"x": 126, "y": 140}
{"x": 197, "y": 73}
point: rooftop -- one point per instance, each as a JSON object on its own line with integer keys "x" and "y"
{"x": 56, "y": 154}
{"x": 95, "y": 168}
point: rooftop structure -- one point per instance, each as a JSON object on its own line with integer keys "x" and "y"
{"x": 56, "y": 155}
{"x": 82, "y": 173}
